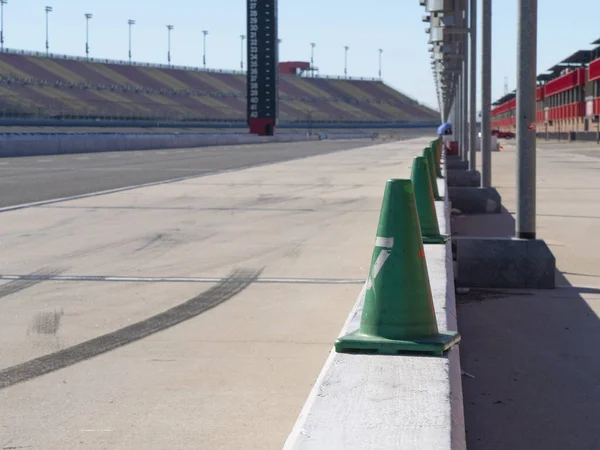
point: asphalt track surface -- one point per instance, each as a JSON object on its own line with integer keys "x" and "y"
{"x": 40, "y": 178}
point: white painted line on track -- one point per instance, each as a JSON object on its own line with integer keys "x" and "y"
{"x": 125, "y": 279}
{"x": 44, "y": 160}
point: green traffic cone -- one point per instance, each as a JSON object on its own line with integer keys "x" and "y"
{"x": 398, "y": 313}
{"x": 434, "y": 187}
{"x": 436, "y": 168}
{"x": 437, "y": 152}
{"x": 433, "y": 147}
{"x": 420, "y": 177}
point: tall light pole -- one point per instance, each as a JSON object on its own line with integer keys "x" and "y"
{"x": 169, "y": 29}
{"x": 279, "y": 41}
{"x": 48, "y": 11}
{"x": 312, "y": 58}
{"x": 205, "y": 33}
{"x": 380, "y": 61}
{"x": 2, "y": 3}
{"x": 346, "y": 48}
{"x": 131, "y": 23}
{"x": 242, "y": 37}
{"x": 88, "y": 16}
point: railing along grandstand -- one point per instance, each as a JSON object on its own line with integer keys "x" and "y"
{"x": 158, "y": 65}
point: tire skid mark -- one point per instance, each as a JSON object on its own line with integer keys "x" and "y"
{"x": 226, "y": 289}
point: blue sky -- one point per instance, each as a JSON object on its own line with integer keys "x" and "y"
{"x": 394, "y": 25}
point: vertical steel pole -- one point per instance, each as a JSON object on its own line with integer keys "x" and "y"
{"x": 87, "y": 37}
{"x": 47, "y": 38}
{"x": 2, "y": 23}
{"x": 205, "y": 33}
{"x": 473, "y": 89}
{"x": 242, "y": 37}
{"x": 526, "y": 145}
{"x": 465, "y": 86}
{"x": 486, "y": 93}
{"x": 130, "y": 42}
{"x": 346, "y": 62}
{"x": 169, "y": 45}
{"x": 459, "y": 110}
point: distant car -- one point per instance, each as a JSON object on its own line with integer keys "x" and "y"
{"x": 503, "y": 134}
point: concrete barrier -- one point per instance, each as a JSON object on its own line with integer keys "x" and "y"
{"x": 391, "y": 402}
{"x": 457, "y": 164}
{"x": 505, "y": 263}
{"x": 475, "y": 200}
{"x": 56, "y": 144}
{"x": 463, "y": 178}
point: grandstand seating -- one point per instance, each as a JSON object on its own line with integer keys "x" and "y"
{"x": 37, "y": 86}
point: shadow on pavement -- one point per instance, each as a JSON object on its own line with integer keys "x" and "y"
{"x": 531, "y": 359}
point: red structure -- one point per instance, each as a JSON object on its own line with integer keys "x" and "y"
{"x": 567, "y": 99}
{"x": 294, "y": 67}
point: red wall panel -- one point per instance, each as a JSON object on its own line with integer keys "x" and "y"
{"x": 570, "y": 111}
{"x": 539, "y": 94}
{"x": 566, "y": 82}
{"x": 594, "y": 70}
{"x": 539, "y": 116}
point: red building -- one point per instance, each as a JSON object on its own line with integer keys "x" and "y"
{"x": 568, "y": 100}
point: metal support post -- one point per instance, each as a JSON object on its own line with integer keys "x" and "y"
{"x": 458, "y": 113}
{"x": 486, "y": 93}
{"x": 473, "y": 86}
{"x": 465, "y": 88}
{"x": 526, "y": 145}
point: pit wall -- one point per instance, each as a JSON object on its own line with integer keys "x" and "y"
{"x": 366, "y": 402}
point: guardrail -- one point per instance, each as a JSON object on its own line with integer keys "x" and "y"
{"x": 117, "y": 61}
{"x": 158, "y": 65}
{"x": 379, "y": 399}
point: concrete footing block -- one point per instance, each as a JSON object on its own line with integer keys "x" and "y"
{"x": 457, "y": 164}
{"x": 504, "y": 263}
{"x": 475, "y": 200}
{"x": 463, "y": 178}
